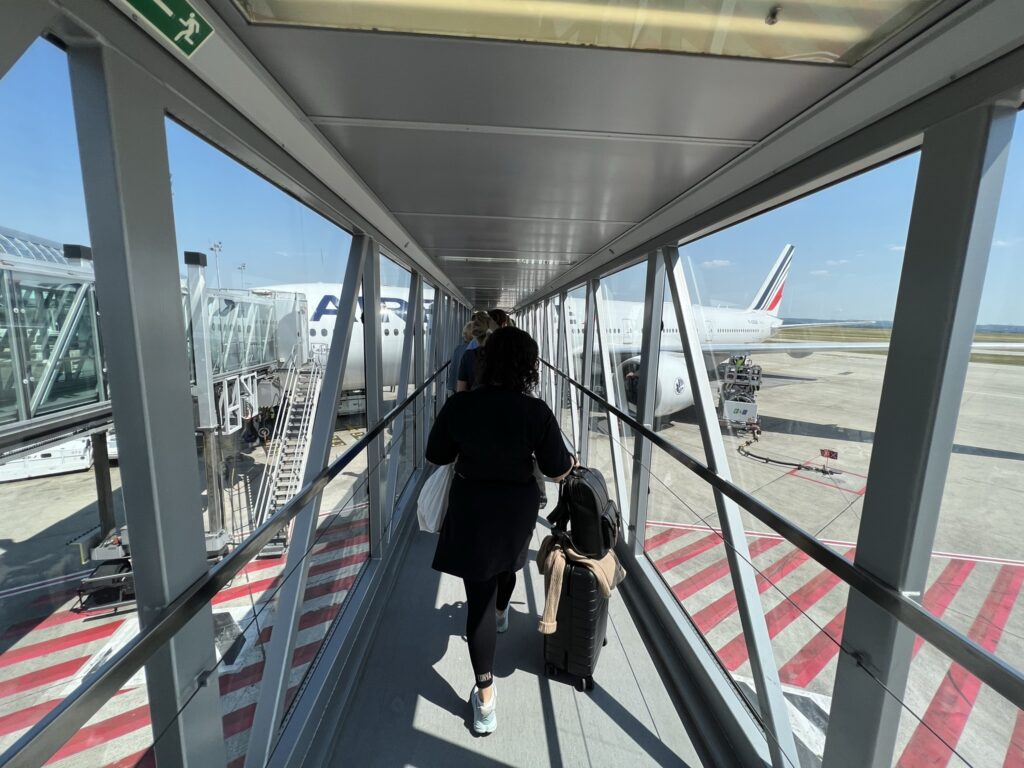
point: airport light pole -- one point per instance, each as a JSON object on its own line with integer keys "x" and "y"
{"x": 216, "y": 247}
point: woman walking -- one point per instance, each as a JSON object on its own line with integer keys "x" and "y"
{"x": 492, "y": 434}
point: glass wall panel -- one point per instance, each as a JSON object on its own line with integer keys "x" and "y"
{"x": 949, "y": 717}
{"x": 273, "y": 284}
{"x": 396, "y": 284}
{"x": 622, "y": 318}
{"x": 802, "y": 336}
{"x": 977, "y": 563}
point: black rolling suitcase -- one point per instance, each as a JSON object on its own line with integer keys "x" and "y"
{"x": 582, "y": 625}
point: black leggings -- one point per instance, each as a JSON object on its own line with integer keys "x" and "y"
{"x": 483, "y": 598}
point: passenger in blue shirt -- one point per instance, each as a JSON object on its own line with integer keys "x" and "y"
{"x": 482, "y": 327}
{"x": 453, "y": 369}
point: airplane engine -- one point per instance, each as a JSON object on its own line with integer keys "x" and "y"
{"x": 799, "y": 355}
{"x": 672, "y": 394}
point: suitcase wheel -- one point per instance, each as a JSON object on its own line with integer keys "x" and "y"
{"x": 585, "y": 684}
{"x": 604, "y": 642}
{"x": 550, "y": 670}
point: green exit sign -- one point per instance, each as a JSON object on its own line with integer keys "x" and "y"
{"x": 175, "y": 20}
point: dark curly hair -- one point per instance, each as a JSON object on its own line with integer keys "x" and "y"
{"x": 509, "y": 361}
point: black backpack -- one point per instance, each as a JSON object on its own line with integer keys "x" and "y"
{"x": 585, "y": 513}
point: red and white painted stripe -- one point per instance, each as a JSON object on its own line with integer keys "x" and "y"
{"x": 985, "y": 590}
{"x": 48, "y": 655}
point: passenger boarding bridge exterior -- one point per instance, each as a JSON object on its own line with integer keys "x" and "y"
{"x": 52, "y": 369}
{"x": 835, "y": 580}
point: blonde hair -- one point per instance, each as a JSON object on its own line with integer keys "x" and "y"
{"x": 481, "y": 327}
{"x": 467, "y": 331}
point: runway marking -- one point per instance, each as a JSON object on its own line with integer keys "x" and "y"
{"x": 860, "y": 491}
{"x": 690, "y": 550}
{"x": 808, "y": 662}
{"x": 329, "y": 559}
{"x": 941, "y": 593}
{"x": 708, "y": 618}
{"x": 837, "y": 543}
{"x": 690, "y": 586}
{"x": 952, "y": 704}
{"x": 734, "y": 653}
{"x": 46, "y": 647}
{"x": 45, "y": 676}
{"x": 655, "y": 541}
{"x": 816, "y": 654}
{"x": 1015, "y": 752}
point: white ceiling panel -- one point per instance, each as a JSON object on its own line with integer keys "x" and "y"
{"x": 523, "y": 176}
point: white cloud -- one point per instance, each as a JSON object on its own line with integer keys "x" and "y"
{"x": 837, "y": 262}
{"x": 1003, "y": 243}
{"x": 716, "y": 264}
{"x": 897, "y": 248}
{"x": 819, "y": 272}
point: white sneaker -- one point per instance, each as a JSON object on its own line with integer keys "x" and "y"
{"x": 503, "y": 620}
{"x": 485, "y": 718}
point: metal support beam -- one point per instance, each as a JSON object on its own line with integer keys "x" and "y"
{"x": 419, "y": 371}
{"x": 104, "y": 493}
{"x": 650, "y": 354}
{"x": 374, "y": 398}
{"x": 195, "y": 266}
{"x": 271, "y": 705}
{"x": 121, "y": 135}
{"x": 398, "y": 428}
{"x": 573, "y": 393}
{"x": 588, "y": 370}
{"x": 751, "y": 612}
{"x": 611, "y": 395}
{"x": 959, "y": 183}
{"x": 21, "y": 24}
{"x": 566, "y": 363}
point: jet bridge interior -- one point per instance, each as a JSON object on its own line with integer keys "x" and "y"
{"x": 557, "y": 160}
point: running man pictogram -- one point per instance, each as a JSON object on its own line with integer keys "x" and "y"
{"x": 191, "y": 27}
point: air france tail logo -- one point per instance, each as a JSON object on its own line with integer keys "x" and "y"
{"x": 328, "y": 306}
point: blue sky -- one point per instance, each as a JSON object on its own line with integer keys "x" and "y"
{"x": 849, "y": 238}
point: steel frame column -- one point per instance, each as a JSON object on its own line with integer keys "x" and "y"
{"x": 779, "y": 733}
{"x": 550, "y": 334}
{"x": 104, "y": 491}
{"x": 419, "y": 371}
{"x": 650, "y": 354}
{"x": 278, "y": 666}
{"x": 574, "y": 394}
{"x": 195, "y": 265}
{"x": 560, "y": 358}
{"x": 120, "y": 122}
{"x": 18, "y": 361}
{"x": 567, "y": 363}
{"x": 374, "y": 398}
{"x": 440, "y": 389}
{"x": 959, "y": 183}
{"x": 611, "y": 395}
{"x": 588, "y": 371}
{"x": 398, "y": 426}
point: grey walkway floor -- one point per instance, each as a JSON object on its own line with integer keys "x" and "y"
{"x": 413, "y": 699}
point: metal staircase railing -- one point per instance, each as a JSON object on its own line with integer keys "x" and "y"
{"x": 286, "y": 462}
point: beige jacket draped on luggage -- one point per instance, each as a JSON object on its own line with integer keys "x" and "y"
{"x": 551, "y": 561}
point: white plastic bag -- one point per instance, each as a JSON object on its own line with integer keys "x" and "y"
{"x": 433, "y": 501}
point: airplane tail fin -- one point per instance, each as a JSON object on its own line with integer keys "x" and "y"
{"x": 769, "y": 295}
